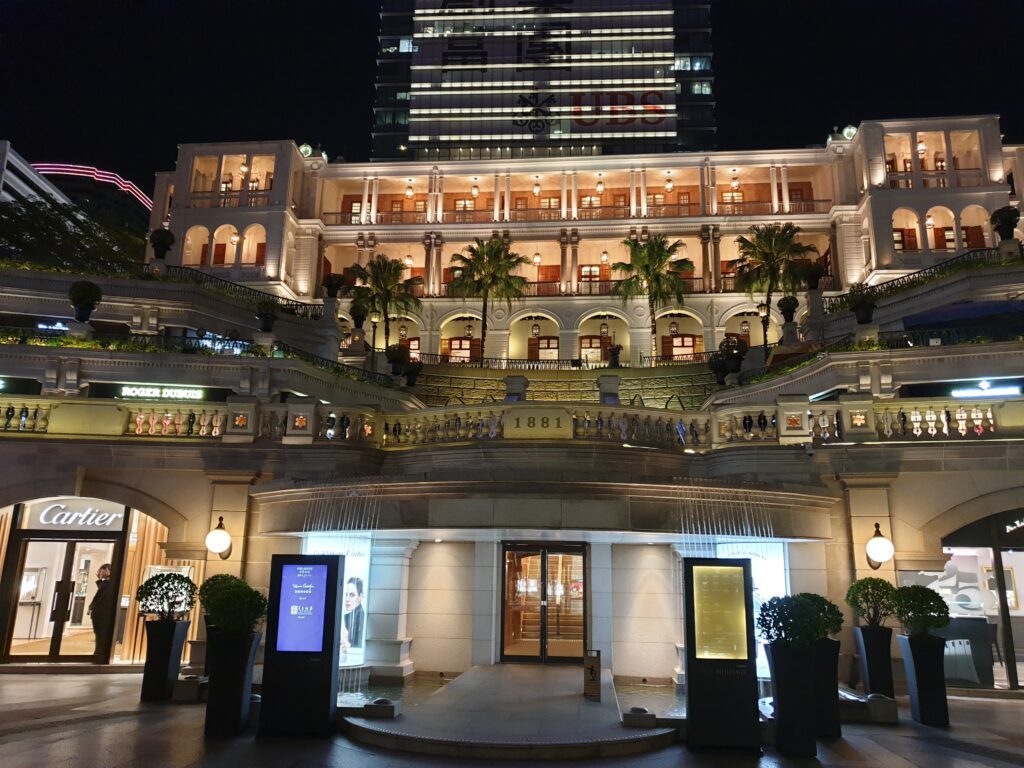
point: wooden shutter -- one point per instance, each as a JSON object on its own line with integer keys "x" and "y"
{"x": 940, "y": 238}
{"x": 475, "y": 349}
{"x": 549, "y": 273}
{"x": 418, "y": 272}
{"x": 261, "y": 254}
{"x": 220, "y": 251}
{"x": 666, "y": 347}
{"x": 204, "y": 254}
{"x": 533, "y": 349}
{"x": 605, "y": 272}
{"x": 403, "y": 343}
{"x": 910, "y": 239}
{"x": 325, "y": 266}
{"x": 975, "y": 237}
{"x": 606, "y": 342}
{"x": 445, "y": 347}
{"x": 447, "y": 275}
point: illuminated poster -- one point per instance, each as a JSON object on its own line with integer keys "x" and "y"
{"x": 354, "y": 589}
{"x": 719, "y": 612}
{"x": 301, "y": 610}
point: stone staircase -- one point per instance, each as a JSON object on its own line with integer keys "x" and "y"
{"x": 682, "y": 386}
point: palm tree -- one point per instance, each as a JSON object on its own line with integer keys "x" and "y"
{"x": 653, "y": 271}
{"x": 384, "y": 289}
{"x": 764, "y": 264}
{"x": 484, "y": 272}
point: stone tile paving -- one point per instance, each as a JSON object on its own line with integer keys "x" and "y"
{"x": 87, "y": 721}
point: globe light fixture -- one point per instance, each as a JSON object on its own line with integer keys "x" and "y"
{"x": 879, "y": 549}
{"x": 218, "y": 541}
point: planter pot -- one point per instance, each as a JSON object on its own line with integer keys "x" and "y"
{"x": 735, "y": 362}
{"x": 864, "y": 314}
{"x": 396, "y": 368}
{"x": 788, "y": 316}
{"x": 410, "y": 379}
{"x": 720, "y": 377}
{"x": 923, "y": 659}
{"x": 793, "y": 700}
{"x": 613, "y": 359}
{"x": 266, "y": 323}
{"x": 813, "y": 283}
{"x": 231, "y": 659}
{"x": 874, "y": 646}
{"x": 164, "y": 643}
{"x": 825, "y": 661}
{"x": 83, "y": 312}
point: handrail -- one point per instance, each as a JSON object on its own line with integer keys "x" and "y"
{"x": 976, "y": 257}
{"x": 791, "y": 363}
{"x": 243, "y": 292}
{"x": 350, "y": 371}
{"x": 941, "y": 337}
{"x": 509, "y": 364}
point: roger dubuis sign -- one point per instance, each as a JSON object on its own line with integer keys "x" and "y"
{"x": 72, "y": 513}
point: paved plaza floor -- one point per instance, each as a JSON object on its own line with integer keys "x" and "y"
{"x": 82, "y": 721}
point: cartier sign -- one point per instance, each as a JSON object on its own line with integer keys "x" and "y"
{"x": 72, "y": 513}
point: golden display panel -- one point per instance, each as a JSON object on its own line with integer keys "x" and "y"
{"x": 719, "y": 612}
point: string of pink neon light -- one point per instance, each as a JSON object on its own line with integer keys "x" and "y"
{"x": 88, "y": 171}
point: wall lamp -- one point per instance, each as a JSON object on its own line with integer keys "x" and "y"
{"x": 218, "y": 540}
{"x": 879, "y": 549}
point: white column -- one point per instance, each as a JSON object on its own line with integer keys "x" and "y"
{"x": 497, "y": 196}
{"x": 703, "y": 191}
{"x": 632, "y": 193}
{"x": 387, "y": 635}
{"x": 775, "y": 188}
{"x": 643, "y": 192}
{"x": 915, "y": 161}
{"x": 565, "y": 197}
{"x": 574, "y": 261}
{"x": 713, "y": 190}
{"x": 430, "y": 198}
{"x": 950, "y": 173}
{"x": 374, "y": 200}
{"x": 439, "y": 209}
{"x": 508, "y": 195}
{"x": 364, "y": 209}
{"x": 575, "y": 195}
{"x": 785, "y": 188}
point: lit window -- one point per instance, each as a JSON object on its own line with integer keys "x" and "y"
{"x": 700, "y": 87}
{"x": 405, "y": 45}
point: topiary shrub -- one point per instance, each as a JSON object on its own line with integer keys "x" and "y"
{"x": 85, "y": 293}
{"x": 1004, "y": 221}
{"x": 830, "y": 618}
{"x": 166, "y": 596}
{"x": 161, "y": 240}
{"x": 791, "y": 619}
{"x": 209, "y": 589}
{"x": 235, "y": 608}
{"x": 872, "y": 599}
{"x": 920, "y": 609}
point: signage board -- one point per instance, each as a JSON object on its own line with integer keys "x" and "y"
{"x": 73, "y": 513}
{"x": 721, "y": 659}
{"x": 300, "y": 618}
{"x": 533, "y": 423}
{"x": 150, "y": 392}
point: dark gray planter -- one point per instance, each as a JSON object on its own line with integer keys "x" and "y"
{"x": 864, "y": 314}
{"x": 825, "y": 661}
{"x": 164, "y": 643}
{"x": 923, "y": 659}
{"x": 231, "y": 661}
{"x": 83, "y": 312}
{"x": 266, "y": 322}
{"x": 734, "y": 363}
{"x": 793, "y": 700}
{"x": 874, "y": 649}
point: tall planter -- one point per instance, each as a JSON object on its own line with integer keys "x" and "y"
{"x": 864, "y": 314}
{"x": 83, "y": 312}
{"x": 164, "y": 643}
{"x": 825, "y": 661}
{"x": 874, "y": 646}
{"x": 231, "y": 660}
{"x": 923, "y": 659}
{"x": 793, "y": 700}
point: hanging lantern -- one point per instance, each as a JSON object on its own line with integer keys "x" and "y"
{"x": 408, "y": 261}
{"x": 929, "y": 221}
{"x": 673, "y": 328}
{"x": 745, "y": 327}
{"x": 235, "y": 238}
{"x": 403, "y": 331}
{"x": 604, "y": 329}
{"x": 536, "y": 259}
{"x": 469, "y": 330}
{"x": 604, "y": 257}
{"x": 243, "y": 168}
{"x": 408, "y": 191}
{"x": 669, "y": 185}
{"x": 474, "y": 191}
{"x": 535, "y": 330}
{"x": 921, "y": 148}
{"x": 735, "y": 183}
{"x": 536, "y": 189}
{"x": 600, "y": 185}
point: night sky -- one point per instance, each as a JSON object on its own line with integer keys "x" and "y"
{"x": 119, "y": 83}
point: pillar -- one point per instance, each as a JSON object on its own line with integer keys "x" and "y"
{"x": 599, "y": 599}
{"x": 705, "y": 257}
{"x": 428, "y": 264}
{"x": 574, "y": 269}
{"x": 565, "y": 203}
{"x": 569, "y": 342}
{"x": 643, "y": 192}
{"x": 575, "y": 196}
{"x": 387, "y": 637}
{"x": 487, "y": 568}
{"x": 639, "y": 344}
{"x": 716, "y": 255}
{"x": 229, "y": 499}
{"x": 497, "y": 196}
{"x": 703, "y": 192}
{"x": 775, "y": 188}
{"x": 439, "y": 207}
{"x": 785, "y": 188}
{"x": 496, "y": 343}
{"x": 915, "y": 161}
{"x": 632, "y": 193}
{"x": 438, "y": 247}
{"x": 364, "y": 208}
{"x": 508, "y": 195}
{"x": 867, "y": 503}
{"x": 374, "y": 200}
{"x": 713, "y": 190}
{"x": 950, "y": 172}
{"x": 565, "y": 275}
{"x": 430, "y": 198}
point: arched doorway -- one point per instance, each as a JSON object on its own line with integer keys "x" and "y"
{"x": 460, "y": 339}
{"x": 905, "y": 231}
{"x": 599, "y": 333}
{"x": 194, "y": 252}
{"x": 977, "y": 229}
{"x": 940, "y": 229}
{"x": 534, "y": 337}
{"x": 680, "y": 337}
{"x": 55, "y": 605}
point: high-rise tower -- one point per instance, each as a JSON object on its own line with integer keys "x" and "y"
{"x": 462, "y": 79}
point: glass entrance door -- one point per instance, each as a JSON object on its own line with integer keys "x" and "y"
{"x": 63, "y": 613}
{"x": 544, "y": 604}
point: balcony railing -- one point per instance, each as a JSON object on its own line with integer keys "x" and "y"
{"x": 595, "y": 287}
{"x": 234, "y": 199}
{"x": 941, "y": 337}
{"x": 508, "y": 364}
{"x": 647, "y": 361}
{"x": 553, "y": 288}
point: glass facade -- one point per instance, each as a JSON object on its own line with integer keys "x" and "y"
{"x": 487, "y": 79}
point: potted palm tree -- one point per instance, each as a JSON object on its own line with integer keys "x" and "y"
{"x": 235, "y": 610}
{"x": 383, "y": 289}
{"x": 167, "y": 597}
{"x": 266, "y": 314}
{"x": 791, "y": 625}
{"x": 920, "y": 609}
{"x": 84, "y": 296}
{"x": 787, "y": 306}
{"x": 862, "y": 301}
{"x": 484, "y": 271}
{"x": 398, "y": 356}
{"x": 654, "y": 270}
{"x": 764, "y": 263}
{"x": 412, "y": 372}
{"x": 871, "y": 599}
{"x": 824, "y": 662}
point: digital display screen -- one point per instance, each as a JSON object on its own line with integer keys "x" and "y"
{"x": 300, "y": 623}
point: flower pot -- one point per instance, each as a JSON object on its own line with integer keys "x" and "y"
{"x": 720, "y": 377}
{"x": 164, "y": 643}
{"x": 396, "y": 367}
{"x": 874, "y": 646}
{"x": 788, "y": 316}
{"x": 266, "y": 323}
{"x": 864, "y": 314}
{"x": 924, "y": 661}
{"x": 410, "y": 379}
{"x": 813, "y": 283}
{"x": 83, "y": 312}
{"x": 231, "y": 660}
{"x": 734, "y": 363}
{"x": 793, "y": 700}
{"x": 825, "y": 662}
{"x": 613, "y": 359}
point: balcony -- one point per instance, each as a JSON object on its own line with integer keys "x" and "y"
{"x": 235, "y": 199}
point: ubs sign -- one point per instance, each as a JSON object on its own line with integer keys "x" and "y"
{"x": 72, "y": 513}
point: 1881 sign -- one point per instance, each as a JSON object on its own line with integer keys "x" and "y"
{"x": 537, "y": 423}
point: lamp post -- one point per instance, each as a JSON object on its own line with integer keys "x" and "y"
{"x": 374, "y": 319}
{"x": 763, "y": 311}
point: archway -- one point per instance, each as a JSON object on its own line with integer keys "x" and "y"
{"x": 940, "y": 229}
{"x": 460, "y": 339}
{"x": 601, "y": 331}
{"x": 680, "y": 336}
{"x": 254, "y": 245}
{"x": 535, "y": 337}
{"x": 194, "y": 251}
{"x": 976, "y": 227}
{"x": 225, "y": 244}
{"x": 905, "y": 230}
{"x": 746, "y": 326}
{"x": 406, "y": 332}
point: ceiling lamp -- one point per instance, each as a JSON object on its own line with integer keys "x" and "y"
{"x": 536, "y": 259}
{"x": 474, "y": 191}
{"x": 669, "y": 185}
{"x": 243, "y": 168}
{"x": 604, "y": 257}
{"x": 735, "y": 183}
{"x": 536, "y": 189}
{"x": 603, "y": 329}
{"x": 921, "y": 147}
{"x": 408, "y": 261}
{"x": 929, "y": 221}
{"x": 234, "y": 238}
{"x": 218, "y": 540}
{"x": 745, "y": 326}
{"x": 600, "y": 185}
{"x": 879, "y": 549}
{"x": 408, "y": 191}
{"x": 673, "y": 328}
{"x": 403, "y": 331}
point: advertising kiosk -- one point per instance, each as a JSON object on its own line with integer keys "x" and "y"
{"x": 300, "y": 669}
{"x": 721, "y": 657}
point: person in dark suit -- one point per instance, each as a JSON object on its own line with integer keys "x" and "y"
{"x": 103, "y": 608}
{"x": 355, "y": 614}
